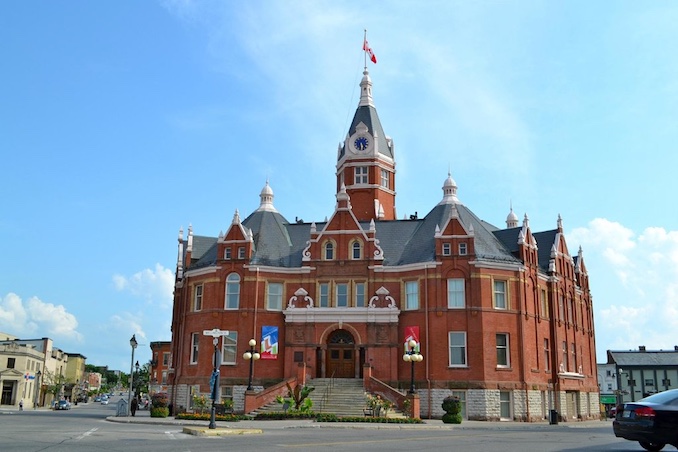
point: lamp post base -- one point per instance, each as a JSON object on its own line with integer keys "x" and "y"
{"x": 213, "y": 422}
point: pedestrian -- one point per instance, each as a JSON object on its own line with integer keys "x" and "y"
{"x": 21, "y": 405}
{"x": 134, "y": 406}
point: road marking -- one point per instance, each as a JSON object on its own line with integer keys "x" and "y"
{"x": 86, "y": 434}
{"x": 170, "y": 435}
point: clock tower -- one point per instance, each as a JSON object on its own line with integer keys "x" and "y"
{"x": 365, "y": 162}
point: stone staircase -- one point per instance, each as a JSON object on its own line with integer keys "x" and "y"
{"x": 339, "y": 396}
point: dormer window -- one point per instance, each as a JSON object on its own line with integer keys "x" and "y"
{"x": 329, "y": 251}
{"x": 356, "y": 250}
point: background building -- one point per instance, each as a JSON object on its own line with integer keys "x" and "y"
{"x": 160, "y": 366}
{"x": 502, "y": 315}
{"x": 640, "y": 373}
{"x": 76, "y": 383}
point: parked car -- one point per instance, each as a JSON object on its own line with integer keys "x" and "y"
{"x": 104, "y": 400}
{"x": 652, "y": 421}
{"x": 62, "y": 405}
{"x": 613, "y": 412}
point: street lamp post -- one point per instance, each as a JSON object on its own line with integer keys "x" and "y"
{"x": 216, "y": 333}
{"x": 135, "y": 391}
{"x": 133, "y": 343}
{"x": 251, "y": 355}
{"x": 412, "y": 356}
{"x": 38, "y": 388}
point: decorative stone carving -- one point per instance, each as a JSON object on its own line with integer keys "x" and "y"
{"x": 300, "y": 296}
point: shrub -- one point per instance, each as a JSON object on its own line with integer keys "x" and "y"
{"x": 452, "y": 407}
{"x": 329, "y": 417}
{"x": 159, "y": 411}
{"x": 159, "y": 400}
{"x": 206, "y": 417}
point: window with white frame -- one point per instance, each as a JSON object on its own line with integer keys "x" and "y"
{"x": 573, "y": 351}
{"x": 329, "y": 251}
{"x": 232, "y": 291}
{"x": 547, "y": 355}
{"x": 229, "y": 348}
{"x": 500, "y": 294}
{"x": 197, "y": 298}
{"x": 503, "y": 356}
{"x": 241, "y": 252}
{"x": 411, "y": 295}
{"x": 195, "y": 342}
{"x": 166, "y": 359}
{"x": 324, "y": 295}
{"x": 342, "y": 295}
{"x": 384, "y": 179}
{"x": 462, "y": 249}
{"x": 461, "y": 395}
{"x": 505, "y": 405}
{"x": 447, "y": 249}
{"x": 565, "y": 363}
{"x": 164, "y": 378}
{"x": 356, "y": 250}
{"x": 360, "y": 173}
{"x": 457, "y": 341}
{"x": 227, "y": 254}
{"x": 360, "y": 295}
{"x": 275, "y": 295}
{"x": 227, "y": 392}
{"x": 456, "y": 294}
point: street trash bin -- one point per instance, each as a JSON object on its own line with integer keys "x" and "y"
{"x": 553, "y": 417}
{"x": 121, "y": 408}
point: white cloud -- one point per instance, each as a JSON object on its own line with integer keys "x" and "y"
{"x": 154, "y": 285}
{"x": 35, "y": 317}
{"x": 633, "y": 280}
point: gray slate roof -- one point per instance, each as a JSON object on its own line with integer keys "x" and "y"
{"x": 279, "y": 243}
{"x": 646, "y": 358}
{"x": 367, "y": 114}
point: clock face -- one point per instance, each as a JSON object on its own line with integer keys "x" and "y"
{"x": 361, "y": 143}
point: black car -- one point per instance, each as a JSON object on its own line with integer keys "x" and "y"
{"x": 652, "y": 421}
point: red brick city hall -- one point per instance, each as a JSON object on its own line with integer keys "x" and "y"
{"x": 502, "y": 316}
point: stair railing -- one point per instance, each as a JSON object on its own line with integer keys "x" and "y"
{"x": 326, "y": 393}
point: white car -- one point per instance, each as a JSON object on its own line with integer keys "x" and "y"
{"x": 104, "y": 400}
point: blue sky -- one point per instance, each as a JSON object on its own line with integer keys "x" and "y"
{"x": 122, "y": 121}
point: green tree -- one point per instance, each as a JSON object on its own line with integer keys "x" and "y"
{"x": 53, "y": 383}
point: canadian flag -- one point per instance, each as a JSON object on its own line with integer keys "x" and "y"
{"x": 371, "y": 54}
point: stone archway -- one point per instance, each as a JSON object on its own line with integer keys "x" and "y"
{"x": 341, "y": 354}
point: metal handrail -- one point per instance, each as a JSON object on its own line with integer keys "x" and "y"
{"x": 326, "y": 394}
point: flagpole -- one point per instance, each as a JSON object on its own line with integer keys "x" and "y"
{"x": 364, "y": 49}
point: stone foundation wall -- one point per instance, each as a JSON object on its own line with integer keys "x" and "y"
{"x": 527, "y": 406}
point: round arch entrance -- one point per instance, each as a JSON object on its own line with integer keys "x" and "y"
{"x": 341, "y": 354}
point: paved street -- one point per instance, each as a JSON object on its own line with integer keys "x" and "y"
{"x": 92, "y": 426}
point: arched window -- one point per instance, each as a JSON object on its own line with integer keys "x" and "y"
{"x": 356, "y": 250}
{"x": 329, "y": 251}
{"x": 232, "y": 291}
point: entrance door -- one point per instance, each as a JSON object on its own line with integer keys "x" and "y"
{"x": 7, "y": 387}
{"x": 571, "y": 399}
{"x": 341, "y": 355}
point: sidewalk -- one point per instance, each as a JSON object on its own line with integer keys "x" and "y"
{"x": 144, "y": 417}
